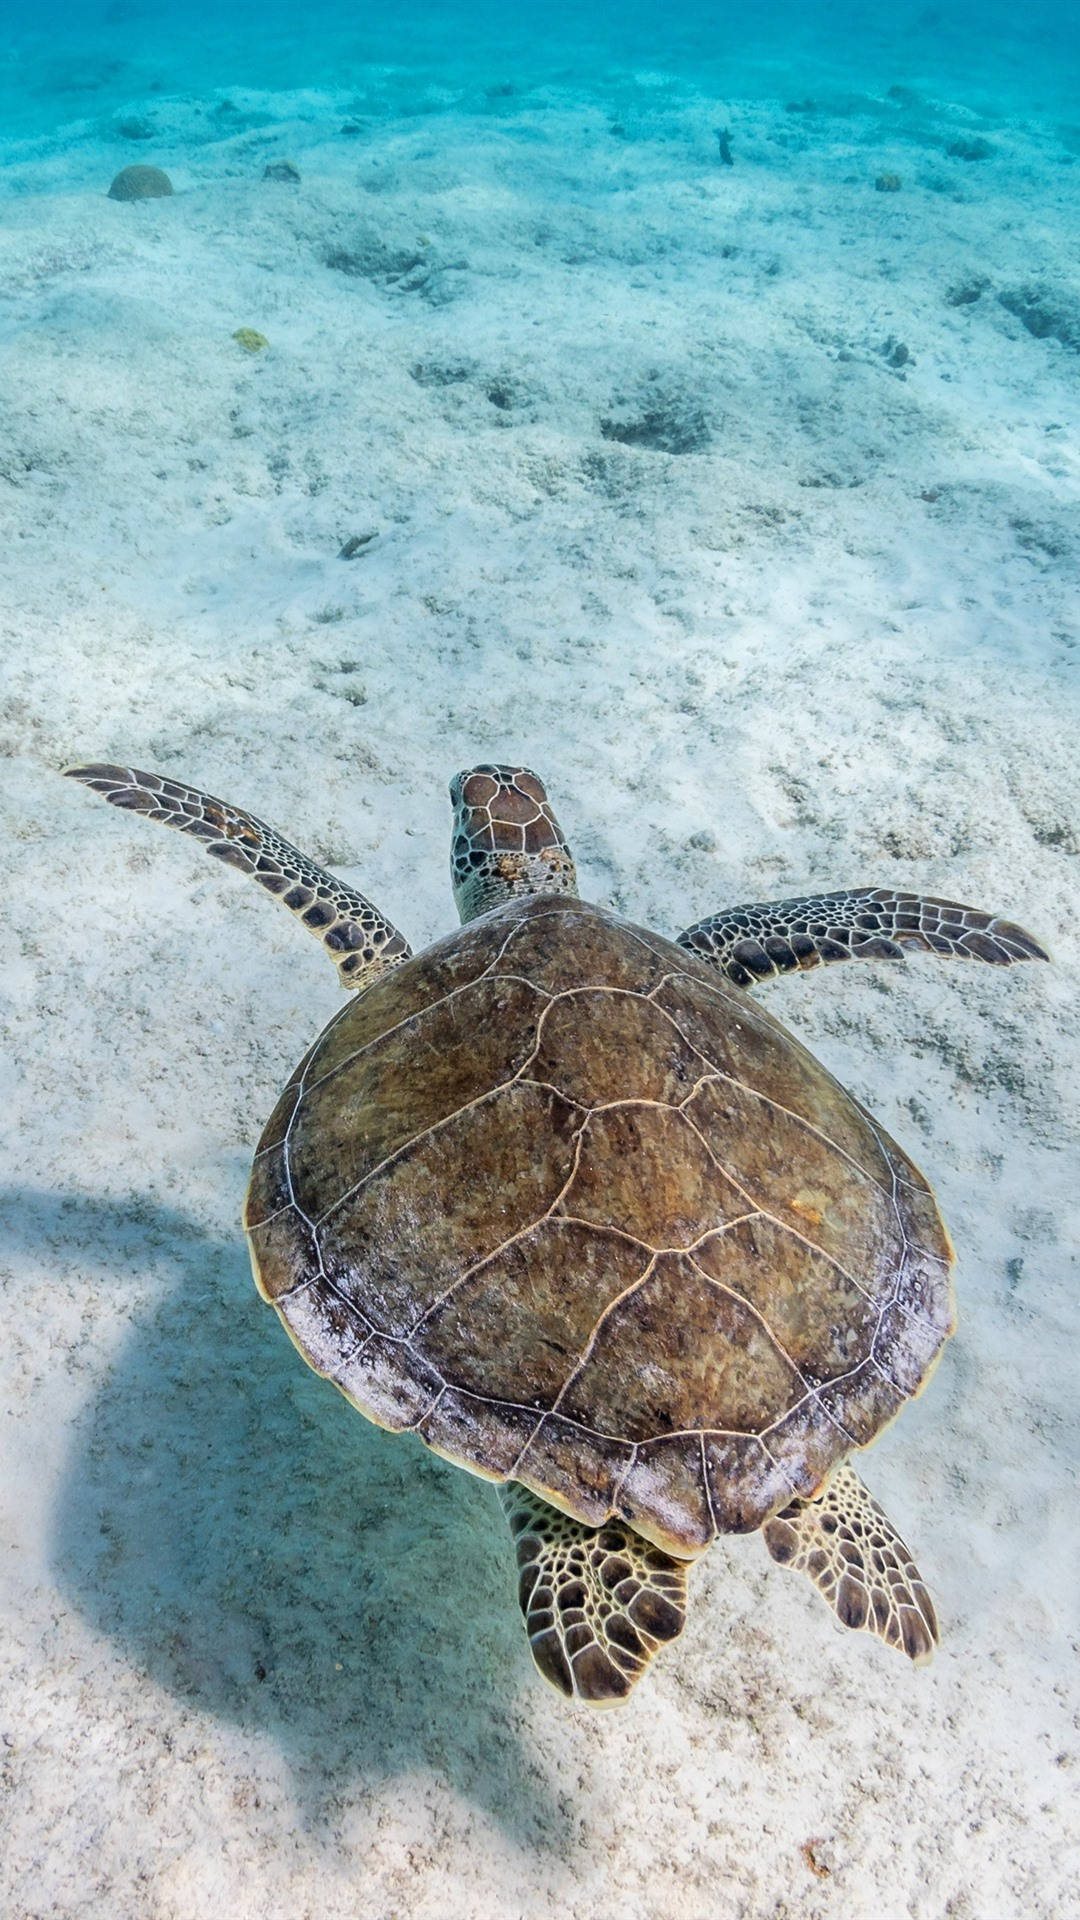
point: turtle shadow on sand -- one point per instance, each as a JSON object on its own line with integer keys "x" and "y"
{"x": 268, "y": 1556}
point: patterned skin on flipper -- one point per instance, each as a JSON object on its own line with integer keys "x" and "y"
{"x": 598, "y": 1602}
{"x": 754, "y": 942}
{"x": 855, "y": 1557}
{"x": 506, "y": 840}
{"x": 359, "y": 939}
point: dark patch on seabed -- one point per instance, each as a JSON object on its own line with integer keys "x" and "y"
{"x": 270, "y": 1558}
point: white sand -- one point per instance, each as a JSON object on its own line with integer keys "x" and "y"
{"x": 258, "y": 1658}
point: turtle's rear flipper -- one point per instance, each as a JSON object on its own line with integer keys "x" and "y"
{"x": 854, "y": 1555}
{"x": 862, "y": 923}
{"x": 597, "y": 1601}
{"x": 359, "y": 939}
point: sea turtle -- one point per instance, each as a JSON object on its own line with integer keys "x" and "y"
{"x": 560, "y": 1197}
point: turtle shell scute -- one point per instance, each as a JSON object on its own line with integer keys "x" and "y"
{"x": 570, "y": 1206}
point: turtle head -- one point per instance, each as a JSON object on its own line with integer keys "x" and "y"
{"x": 506, "y": 841}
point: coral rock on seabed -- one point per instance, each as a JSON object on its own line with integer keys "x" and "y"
{"x": 140, "y": 183}
{"x": 250, "y": 339}
{"x": 977, "y": 149}
{"x": 282, "y": 170}
{"x": 888, "y": 183}
{"x": 964, "y": 293}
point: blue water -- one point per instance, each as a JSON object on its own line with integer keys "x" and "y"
{"x": 88, "y": 59}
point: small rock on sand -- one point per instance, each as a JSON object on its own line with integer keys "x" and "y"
{"x": 140, "y": 183}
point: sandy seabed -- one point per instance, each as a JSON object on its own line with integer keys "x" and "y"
{"x": 742, "y": 503}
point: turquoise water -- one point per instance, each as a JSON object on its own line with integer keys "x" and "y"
{"x": 89, "y": 60}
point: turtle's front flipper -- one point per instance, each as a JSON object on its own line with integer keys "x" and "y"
{"x": 862, "y": 923}
{"x": 359, "y": 939}
{"x": 597, "y": 1601}
{"x": 855, "y": 1557}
